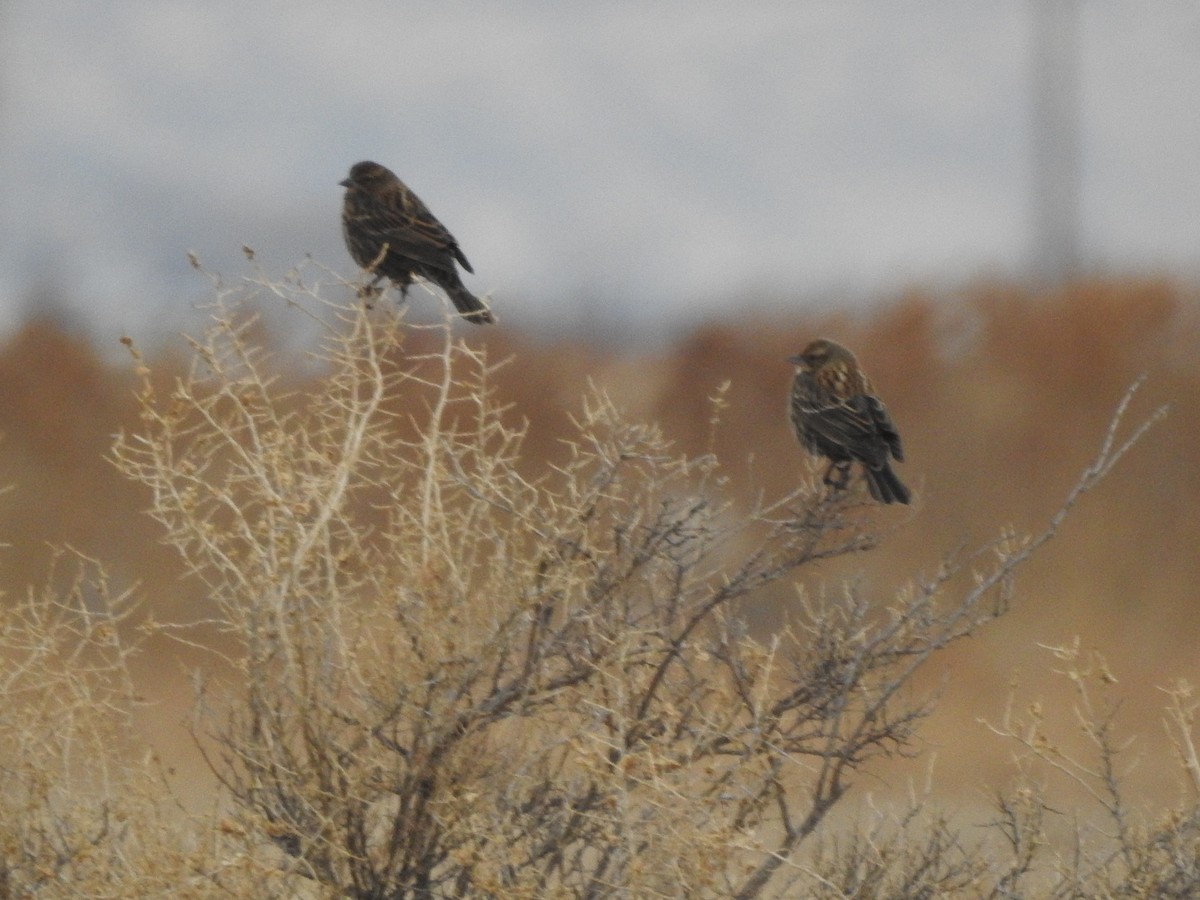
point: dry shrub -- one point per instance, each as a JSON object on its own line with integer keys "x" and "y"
{"x": 455, "y": 679}
{"x": 67, "y": 697}
{"x": 83, "y": 809}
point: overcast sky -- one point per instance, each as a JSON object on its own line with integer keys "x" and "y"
{"x": 644, "y": 162}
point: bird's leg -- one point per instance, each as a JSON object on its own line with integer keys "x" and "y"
{"x": 837, "y": 476}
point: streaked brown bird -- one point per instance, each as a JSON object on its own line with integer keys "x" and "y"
{"x": 837, "y": 415}
{"x": 390, "y": 232}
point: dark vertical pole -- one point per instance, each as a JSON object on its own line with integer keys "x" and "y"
{"x": 1055, "y": 78}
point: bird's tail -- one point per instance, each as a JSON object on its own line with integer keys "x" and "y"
{"x": 471, "y": 307}
{"x": 885, "y": 486}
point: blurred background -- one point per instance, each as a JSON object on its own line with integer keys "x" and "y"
{"x": 622, "y": 168}
{"x": 997, "y": 205}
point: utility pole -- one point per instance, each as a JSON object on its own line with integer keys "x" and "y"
{"x": 1056, "y": 144}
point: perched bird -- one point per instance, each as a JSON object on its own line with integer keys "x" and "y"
{"x": 836, "y": 415}
{"x": 390, "y": 232}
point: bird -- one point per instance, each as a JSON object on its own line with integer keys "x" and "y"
{"x": 837, "y": 414}
{"x": 390, "y": 232}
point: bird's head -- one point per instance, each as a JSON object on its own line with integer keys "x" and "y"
{"x": 367, "y": 175}
{"x": 822, "y": 352}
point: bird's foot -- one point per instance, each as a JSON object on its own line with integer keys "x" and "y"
{"x": 367, "y": 294}
{"x": 837, "y": 476}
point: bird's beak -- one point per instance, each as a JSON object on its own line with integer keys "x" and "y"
{"x": 345, "y": 182}
{"x": 796, "y": 360}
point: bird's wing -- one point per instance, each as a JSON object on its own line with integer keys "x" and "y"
{"x": 884, "y": 426}
{"x": 849, "y": 424}
{"x": 410, "y": 230}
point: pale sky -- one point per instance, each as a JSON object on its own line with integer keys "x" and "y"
{"x": 626, "y": 165}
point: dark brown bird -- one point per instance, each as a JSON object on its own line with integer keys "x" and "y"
{"x": 390, "y": 232}
{"x": 837, "y": 415}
